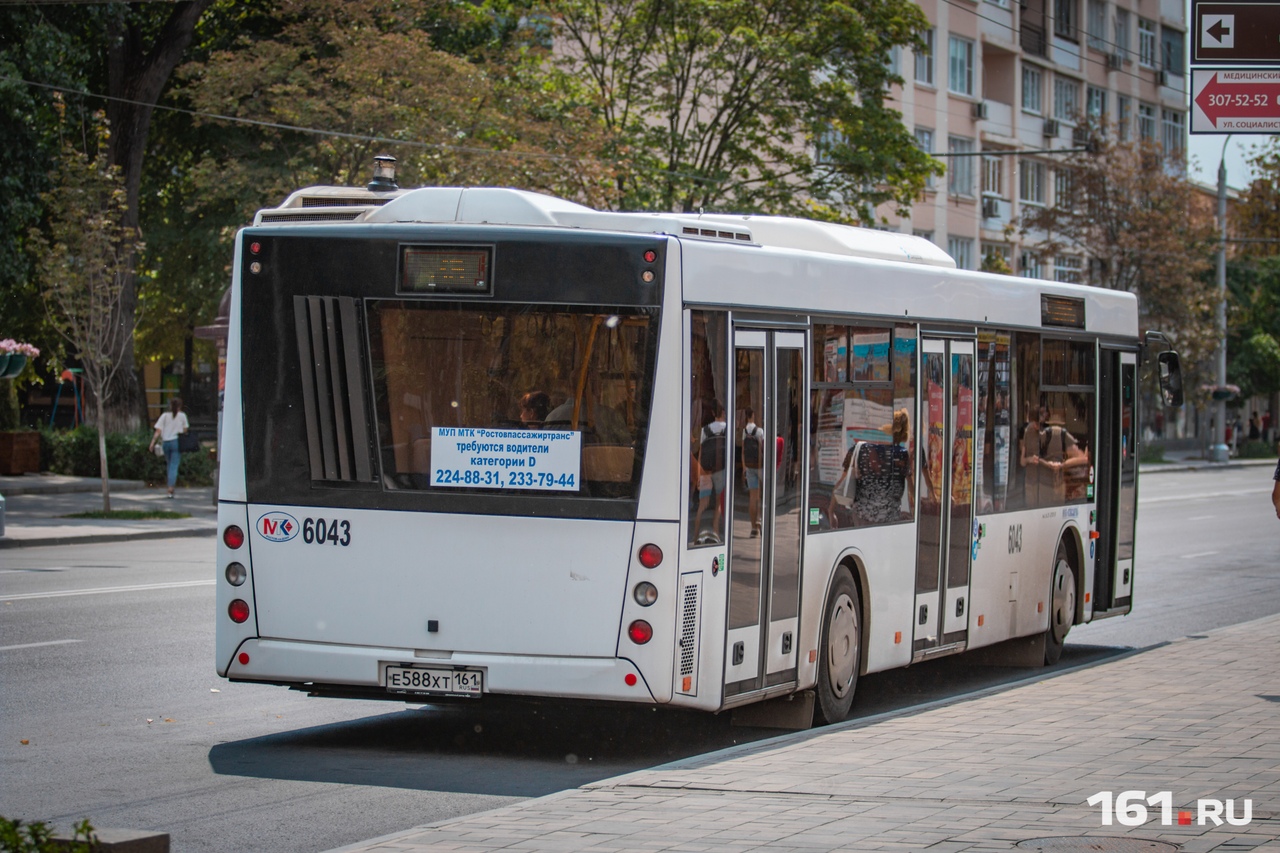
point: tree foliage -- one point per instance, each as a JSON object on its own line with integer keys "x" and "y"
{"x": 1253, "y": 280}
{"x": 372, "y": 70}
{"x": 1145, "y": 229}
{"x": 85, "y": 266}
{"x": 775, "y": 106}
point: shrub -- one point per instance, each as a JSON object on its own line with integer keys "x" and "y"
{"x": 1150, "y": 454}
{"x": 75, "y": 452}
{"x": 37, "y": 837}
{"x": 1256, "y": 450}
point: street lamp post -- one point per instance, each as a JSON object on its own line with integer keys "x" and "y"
{"x": 1219, "y": 452}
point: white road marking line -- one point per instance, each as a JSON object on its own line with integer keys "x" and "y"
{"x": 145, "y": 587}
{"x": 1201, "y": 554}
{"x": 38, "y": 645}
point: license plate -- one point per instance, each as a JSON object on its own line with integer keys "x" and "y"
{"x": 435, "y": 682}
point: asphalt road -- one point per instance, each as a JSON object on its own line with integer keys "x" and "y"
{"x": 107, "y": 675}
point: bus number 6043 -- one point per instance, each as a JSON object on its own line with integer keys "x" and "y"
{"x": 317, "y": 531}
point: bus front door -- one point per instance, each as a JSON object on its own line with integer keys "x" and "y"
{"x": 765, "y": 523}
{"x": 944, "y": 549}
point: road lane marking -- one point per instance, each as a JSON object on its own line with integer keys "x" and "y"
{"x": 38, "y": 645}
{"x": 1201, "y": 554}
{"x": 145, "y": 587}
{"x": 1202, "y": 518}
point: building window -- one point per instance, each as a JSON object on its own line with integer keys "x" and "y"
{"x": 924, "y": 59}
{"x": 1066, "y": 98}
{"x": 960, "y": 79}
{"x": 1032, "y": 89}
{"x": 1146, "y": 43}
{"x": 895, "y": 60}
{"x": 1173, "y": 55}
{"x": 1174, "y": 140}
{"x": 924, "y": 140}
{"x": 961, "y": 249}
{"x": 993, "y": 176}
{"x": 1066, "y": 19}
{"x": 920, "y": 232}
{"x": 1097, "y": 38}
{"x": 1063, "y": 187}
{"x": 828, "y": 141}
{"x": 1147, "y": 122}
{"x": 1122, "y": 31}
{"x": 1030, "y": 266}
{"x": 960, "y": 169}
{"x": 1096, "y": 103}
{"x": 1124, "y": 111}
{"x": 1031, "y": 182}
{"x": 1068, "y": 268}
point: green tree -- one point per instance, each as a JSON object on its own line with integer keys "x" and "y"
{"x": 85, "y": 264}
{"x": 1253, "y": 281}
{"x": 774, "y": 107}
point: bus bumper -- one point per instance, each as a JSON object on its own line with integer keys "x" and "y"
{"x": 363, "y": 668}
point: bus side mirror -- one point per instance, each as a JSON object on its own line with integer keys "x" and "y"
{"x": 1170, "y": 379}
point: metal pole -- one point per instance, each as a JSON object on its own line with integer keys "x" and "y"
{"x": 1220, "y": 452}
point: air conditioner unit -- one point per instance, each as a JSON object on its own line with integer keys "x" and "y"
{"x": 1115, "y": 61}
{"x": 1162, "y": 77}
{"x": 1050, "y": 127}
{"x": 980, "y": 110}
{"x": 990, "y": 208}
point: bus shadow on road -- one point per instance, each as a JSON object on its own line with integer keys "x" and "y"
{"x": 522, "y": 748}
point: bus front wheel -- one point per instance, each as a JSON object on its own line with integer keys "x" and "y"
{"x": 841, "y": 652}
{"x": 1062, "y": 605}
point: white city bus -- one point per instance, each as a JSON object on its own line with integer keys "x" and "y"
{"x": 483, "y": 441}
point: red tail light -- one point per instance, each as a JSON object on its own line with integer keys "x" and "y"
{"x": 238, "y": 611}
{"x": 233, "y": 536}
{"x": 650, "y": 556}
{"x": 640, "y": 632}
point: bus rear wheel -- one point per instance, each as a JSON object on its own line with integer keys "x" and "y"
{"x": 840, "y": 655}
{"x": 1062, "y": 605}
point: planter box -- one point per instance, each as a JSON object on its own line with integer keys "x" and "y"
{"x": 19, "y": 453}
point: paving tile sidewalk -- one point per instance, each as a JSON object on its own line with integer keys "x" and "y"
{"x": 1199, "y": 718}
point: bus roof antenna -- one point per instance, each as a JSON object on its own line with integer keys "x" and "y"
{"x": 384, "y": 174}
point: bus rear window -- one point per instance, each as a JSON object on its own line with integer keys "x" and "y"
{"x": 519, "y": 399}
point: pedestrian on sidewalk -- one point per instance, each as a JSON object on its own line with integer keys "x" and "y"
{"x": 171, "y": 424}
{"x": 1275, "y": 491}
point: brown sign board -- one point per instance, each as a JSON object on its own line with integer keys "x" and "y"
{"x": 1235, "y": 33}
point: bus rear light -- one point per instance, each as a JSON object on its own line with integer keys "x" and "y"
{"x": 650, "y": 256}
{"x": 238, "y": 611}
{"x": 650, "y": 556}
{"x": 640, "y": 632}
{"x": 645, "y": 593}
{"x": 255, "y": 247}
{"x": 236, "y": 574}
{"x": 233, "y": 536}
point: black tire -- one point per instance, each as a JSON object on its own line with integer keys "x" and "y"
{"x": 1062, "y": 605}
{"x": 840, "y": 655}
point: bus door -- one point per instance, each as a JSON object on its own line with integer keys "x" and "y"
{"x": 765, "y": 522}
{"x": 944, "y": 550}
{"x": 1117, "y": 467}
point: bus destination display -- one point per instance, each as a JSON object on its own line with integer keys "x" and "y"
{"x": 542, "y": 460}
{"x": 445, "y": 269}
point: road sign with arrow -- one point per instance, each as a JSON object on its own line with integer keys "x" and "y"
{"x": 1235, "y": 100}
{"x": 1236, "y": 33}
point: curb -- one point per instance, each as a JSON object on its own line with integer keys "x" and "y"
{"x": 131, "y": 536}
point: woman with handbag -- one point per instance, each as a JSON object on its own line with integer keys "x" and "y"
{"x": 171, "y": 424}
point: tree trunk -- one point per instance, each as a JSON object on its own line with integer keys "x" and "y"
{"x": 102, "y": 458}
{"x": 137, "y": 74}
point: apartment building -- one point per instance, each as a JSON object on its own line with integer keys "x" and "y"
{"x": 1004, "y": 80}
